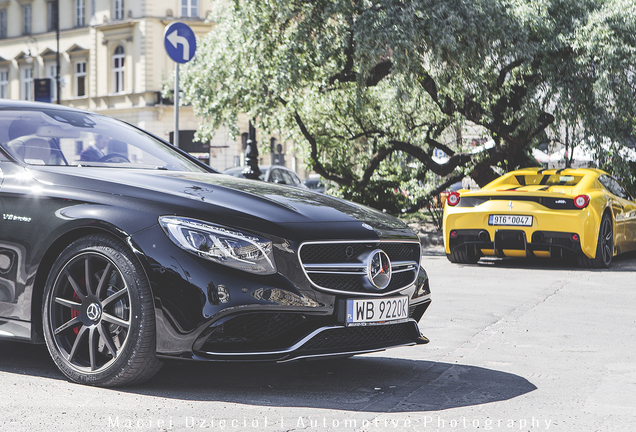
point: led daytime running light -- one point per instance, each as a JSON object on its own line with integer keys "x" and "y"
{"x": 222, "y": 245}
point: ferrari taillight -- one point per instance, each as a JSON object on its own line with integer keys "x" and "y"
{"x": 452, "y": 199}
{"x": 581, "y": 201}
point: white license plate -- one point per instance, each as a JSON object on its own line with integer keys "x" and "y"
{"x": 377, "y": 311}
{"x": 514, "y": 220}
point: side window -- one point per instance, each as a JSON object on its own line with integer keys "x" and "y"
{"x": 276, "y": 176}
{"x": 288, "y": 178}
{"x": 619, "y": 191}
{"x": 295, "y": 178}
{"x": 605, "y": 181}
{"x": 614, "y": 187}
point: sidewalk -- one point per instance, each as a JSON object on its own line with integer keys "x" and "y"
{"x": 431, "y": 239}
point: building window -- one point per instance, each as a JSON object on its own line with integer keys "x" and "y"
{"x": 119, "y": 9}
{"x": 80, "y": 78}
{"x": 26, "y": 82}
{"x": 26, "y": 19}
{"x": 118, "y": 70}
{"x": 80, "y": 13}
{"x": 51, "y": 72}
{"x": 3, "y": 23}
{"x": 189, "y": 8}
{"x": 51, "y": 16}
{"x": 4, "y": 84}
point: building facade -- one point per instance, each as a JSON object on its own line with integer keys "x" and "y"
{"x": 112, "y": 61}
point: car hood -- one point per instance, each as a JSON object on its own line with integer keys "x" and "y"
{"x": 220, "y": 193}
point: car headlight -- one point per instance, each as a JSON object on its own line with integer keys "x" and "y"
{"x": 226, "y": 246}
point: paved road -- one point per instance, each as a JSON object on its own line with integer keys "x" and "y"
{"x": 515, "y": 345}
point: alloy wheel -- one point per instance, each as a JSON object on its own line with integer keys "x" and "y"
{"x": 606, "y": 239}
{"x": 90, "y": 314}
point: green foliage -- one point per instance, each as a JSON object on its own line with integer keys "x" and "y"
{"x": 370, "y": 89}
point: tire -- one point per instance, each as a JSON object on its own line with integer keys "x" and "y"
{"x": 462, "y": 256}
{"x": 101, "y": 333}
{"x": 604, "y": 246}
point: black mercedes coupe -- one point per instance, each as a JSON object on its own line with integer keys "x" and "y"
{"x": 120, "y": 251}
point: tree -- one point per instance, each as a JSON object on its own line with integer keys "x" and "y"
{"x": 371, "y": 88}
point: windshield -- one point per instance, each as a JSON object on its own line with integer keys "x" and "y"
{"x": 74, "y": 138}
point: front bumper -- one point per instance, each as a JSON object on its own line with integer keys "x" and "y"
{"x": 205, "y": 311}
{"x": 255, "y": 338}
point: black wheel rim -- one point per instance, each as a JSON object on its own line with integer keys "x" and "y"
{"x": 606, "y": 239}
{"x": 89, "y": 312}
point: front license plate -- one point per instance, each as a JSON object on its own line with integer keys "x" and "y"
{"x": 377, "y": 311}
{"x": 511, "y": 220}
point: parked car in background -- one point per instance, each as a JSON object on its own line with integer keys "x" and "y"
{"x": 143, "y": 254}
{"x": 584, "y": 213}
{"x": 315, "y": 183}
{"x": 277, "y": 174}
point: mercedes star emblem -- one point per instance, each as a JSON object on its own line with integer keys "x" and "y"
{"x": 379, "y": 269}
{"x": 94, "y": 312}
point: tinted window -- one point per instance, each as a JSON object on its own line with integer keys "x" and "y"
{"x": 277, "y": 176}
{"x": 614, "y": 187}
{"x": 73, "y": 138}
{"x": 288, "y": 177}
{"x": 295, "y": 177}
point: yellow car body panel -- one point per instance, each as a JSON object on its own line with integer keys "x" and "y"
{"x": 557, "y": 224}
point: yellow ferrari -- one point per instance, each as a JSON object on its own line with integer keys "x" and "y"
{"x": 581, "y": 212}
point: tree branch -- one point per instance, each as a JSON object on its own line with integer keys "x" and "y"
{"x": 375, "y": 161}
{"x": 317, "y": 165}
{"x": 440, "y": 169}
{"x": 378, "y": 73}
{"x": 506, "y": 70}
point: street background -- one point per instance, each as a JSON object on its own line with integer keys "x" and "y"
{"x": 515, "y": 345}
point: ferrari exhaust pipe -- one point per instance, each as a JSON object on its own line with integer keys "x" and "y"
{"x": 537, "y": 237}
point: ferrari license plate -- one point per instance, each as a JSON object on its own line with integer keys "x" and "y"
{"x": 362, "y": 312}
{"x": 510, "y": 220}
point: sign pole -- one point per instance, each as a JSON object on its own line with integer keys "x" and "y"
{"x": 58, "y": 87}
{"x": 175, "y": 140}
{"x": 181, "y": 44}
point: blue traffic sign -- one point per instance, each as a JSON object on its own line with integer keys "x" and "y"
{"x": 180, "y": 42}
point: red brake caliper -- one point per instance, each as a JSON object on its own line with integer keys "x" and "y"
{"x": 75, "y": 313}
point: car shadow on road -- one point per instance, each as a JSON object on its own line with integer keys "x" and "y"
{"x": 362, "y": 383}
{"x": 366, "y": 384}
{"x": 622, "y": 263}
